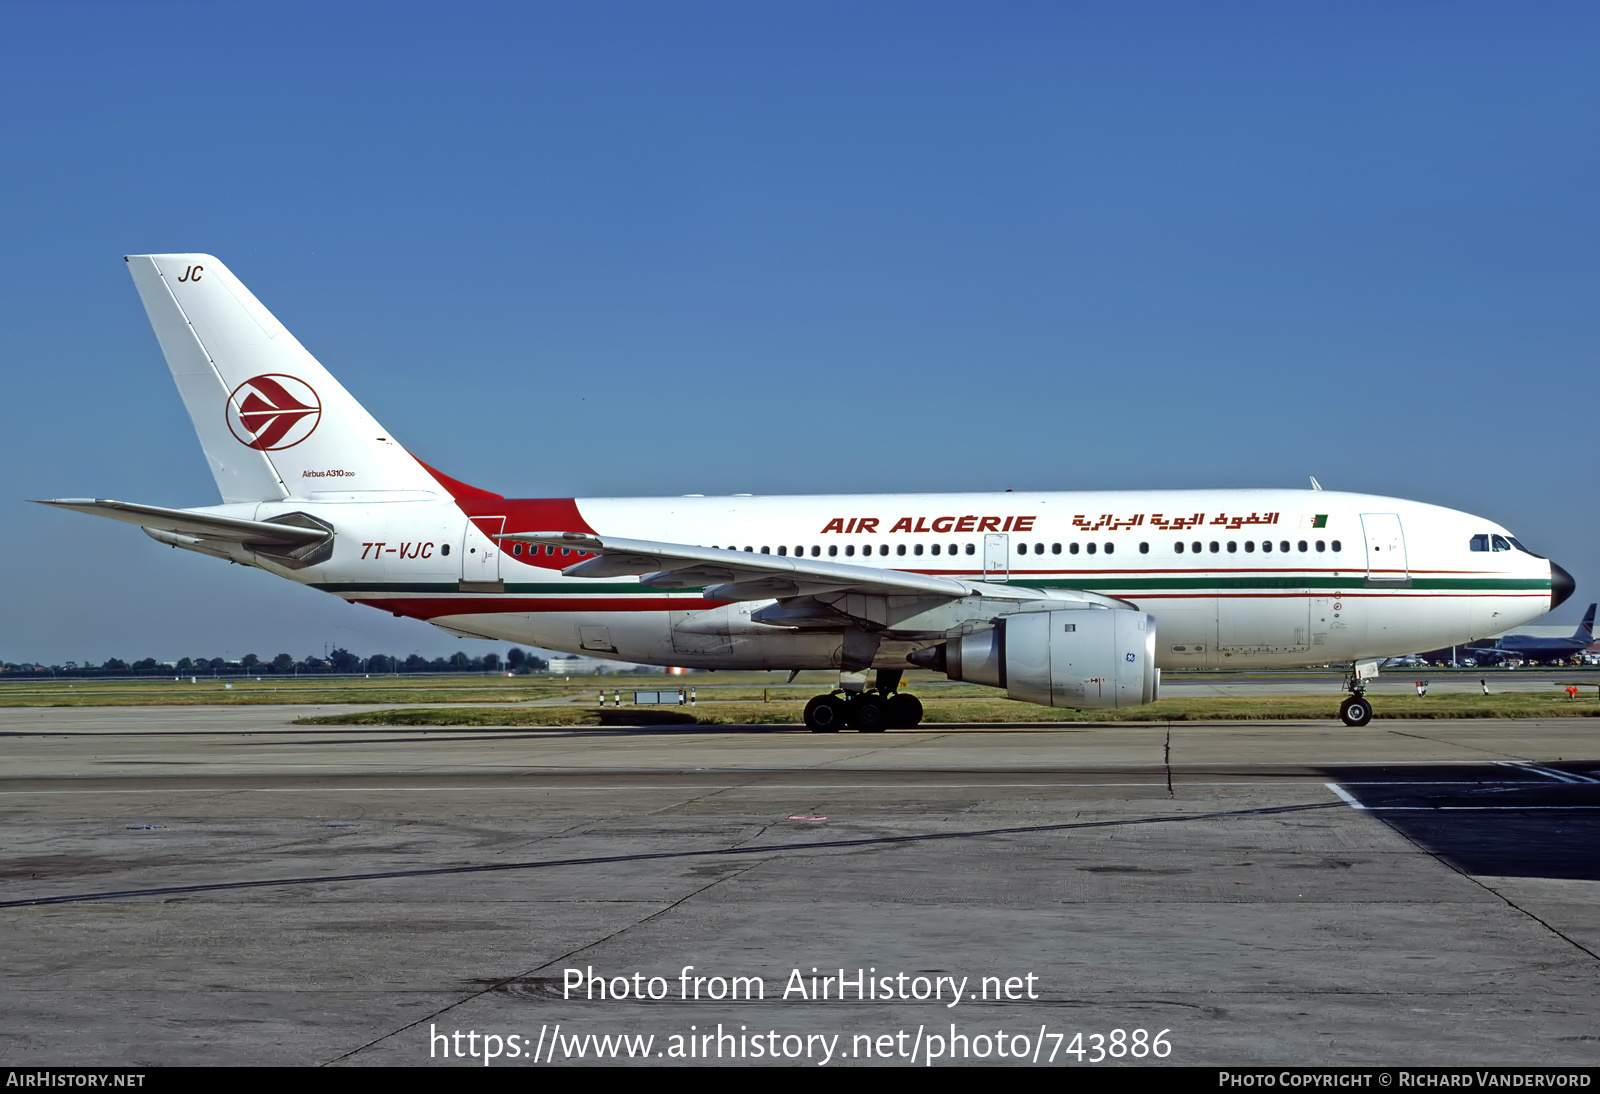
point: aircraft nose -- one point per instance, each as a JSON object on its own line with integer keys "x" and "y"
{"x": 1561, "y": 586}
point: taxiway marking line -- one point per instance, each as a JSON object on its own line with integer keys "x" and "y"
{"x": 1348, "y": 798}
{"x": 721, "y": 786}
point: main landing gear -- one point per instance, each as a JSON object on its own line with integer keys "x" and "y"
{"x": 866, "y": 710}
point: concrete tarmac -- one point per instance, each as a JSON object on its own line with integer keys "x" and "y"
{"x": 216, "y": 886}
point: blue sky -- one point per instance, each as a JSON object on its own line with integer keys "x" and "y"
{"x": 642, "y": 248}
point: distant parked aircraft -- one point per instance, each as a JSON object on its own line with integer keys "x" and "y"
{"x": 1530, "y": 647}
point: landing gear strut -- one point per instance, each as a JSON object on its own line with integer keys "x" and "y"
{"x": 868, "y": 710}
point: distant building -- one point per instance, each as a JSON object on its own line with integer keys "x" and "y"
{"x": 574, "y": 665}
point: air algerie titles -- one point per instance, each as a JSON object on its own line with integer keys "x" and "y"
{"x": 867, "y": 525}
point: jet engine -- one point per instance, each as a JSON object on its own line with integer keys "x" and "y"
{"x": 1084, "y": 659}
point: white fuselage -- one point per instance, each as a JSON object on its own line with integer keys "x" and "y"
{"x": 1233, "y": 577}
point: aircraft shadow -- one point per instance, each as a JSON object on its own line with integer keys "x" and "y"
{"x": 1497, "y": 819}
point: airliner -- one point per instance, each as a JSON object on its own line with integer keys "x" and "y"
{"x": 1073, "y": 600}
{"x": 1543, "y": 651}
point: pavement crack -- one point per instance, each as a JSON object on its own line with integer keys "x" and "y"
{"x": 503, "y": 981}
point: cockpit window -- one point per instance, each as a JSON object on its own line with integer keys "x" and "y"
{"x": 1500, "y": 543}
{"x": 1517, "y": 543}
{"x": 1480, "y": 543}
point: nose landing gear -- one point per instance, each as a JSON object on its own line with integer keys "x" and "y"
{"x": 1357, "y": 710}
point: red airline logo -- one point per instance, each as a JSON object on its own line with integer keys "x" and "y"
{"x": 273, "y": 411}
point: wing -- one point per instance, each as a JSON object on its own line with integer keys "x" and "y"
{"x": 734, "y": 575}
{"x": 187, "y": 523}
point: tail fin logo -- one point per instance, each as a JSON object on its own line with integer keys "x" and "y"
{"x": 273, "y": 411}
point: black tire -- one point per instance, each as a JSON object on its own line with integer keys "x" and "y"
{"x": 1355, "y": 711}
{"x": 904, "y": 711}
{"x": 825, "y": 714}
{"x": 867, "y": 715}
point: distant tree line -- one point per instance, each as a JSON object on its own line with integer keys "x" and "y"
{"x": 338, "y": 662}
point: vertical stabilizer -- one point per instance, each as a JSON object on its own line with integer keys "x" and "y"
{"x": 273, "y": 422}
{"x": 1585, "y": 631}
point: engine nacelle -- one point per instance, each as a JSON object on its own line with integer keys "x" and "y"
{"x": 1083, "y": 659}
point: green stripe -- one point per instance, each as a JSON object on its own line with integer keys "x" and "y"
{"x": 1086, "y": 582}
{"x": 1129, "y": 584}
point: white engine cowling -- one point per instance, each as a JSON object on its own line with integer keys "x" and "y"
{"x": 1084, "y": 659}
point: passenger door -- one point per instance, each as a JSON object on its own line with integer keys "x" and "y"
{"x": 480, "y": 555}
{"x": 996, "y": 557}
{"x": 1386, "y": 549}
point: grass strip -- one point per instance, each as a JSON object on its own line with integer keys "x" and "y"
{"x": 980, "y": 711}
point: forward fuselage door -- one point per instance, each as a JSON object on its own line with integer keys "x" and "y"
{"x": 1386, "y": 549}
{"x": 996, "y": 557}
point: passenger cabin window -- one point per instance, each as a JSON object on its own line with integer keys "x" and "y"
{"x": 1283, "y": 545}
{"x": 1055, "y": 548}
{"x": 1249, "y": 546}
{"x": 1144, "y": 548}
{"x": 900, "y": 549}
{"x": 1178, "y": 547}
{"x": 1266, "y": 546}
{"x": 1321, "y": 546}
{"x": 444, "y": 548}
{"x": 1089, "y": 547}
{"x": 1233, "y": 547}
{"x": 934, "y": 549}
{"x": 1110, "y": 547}
{"x": 1215, "y": 546}
{"x": 833, "y": 550}
{"x": 972, "y": 549}
{"x": 784, "y": 551}
{"x": 849, "y": 550}
{"x": 917, "y": 550}
{"x": 1302, "y": 546}
{"x": 1074, "y": 548}
{"x": 1337, "y": 547}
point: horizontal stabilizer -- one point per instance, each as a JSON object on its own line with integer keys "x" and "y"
{"x": 187, "y": 522}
